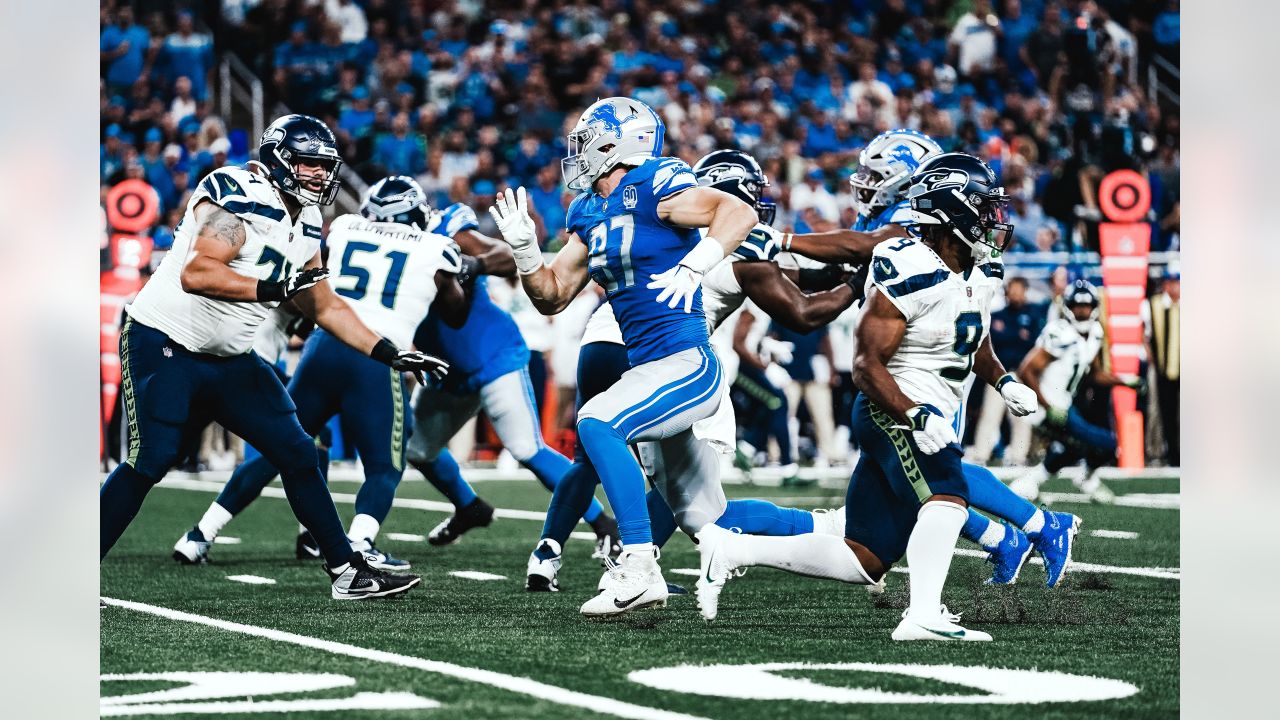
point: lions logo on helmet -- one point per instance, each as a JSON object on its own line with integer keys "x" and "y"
{"x": 612, "y": 132}
{"x": 885, "y": 165}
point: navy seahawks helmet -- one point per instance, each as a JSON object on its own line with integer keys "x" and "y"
{"x": 294, "y": 138}
{"x": 398, "y": 199}
{"x": 961, "y": 193}
{"x": 1082, "y": 292}
{"x": 738, "y": 174}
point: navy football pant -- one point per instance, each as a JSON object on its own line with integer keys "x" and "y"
{"x": 891, "y": 480}
{"x": 334, "y": 378}
{"x": 171, "y": 393}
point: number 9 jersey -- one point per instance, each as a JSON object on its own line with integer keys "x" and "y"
{"x": 948, "y": 315}
{"x": 628, "y": 244}
{"x": 387, "y": 272}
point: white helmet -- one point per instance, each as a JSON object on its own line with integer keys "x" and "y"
{"x": 885, "y": 165}
{"x": 614, "y": 131}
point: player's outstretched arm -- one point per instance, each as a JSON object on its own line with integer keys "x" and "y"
{"x": 1019, "y": 397}
{"x": 1031, "y": 371}
{"x": 727, "y": 219}
{"x": 494, "y": 255}
{"x": 781, "y": 299}
{"x": 550, "y": 287}
{"x": 322, "y": 304}
{"x": 219, "y": 234}
{"x": 451, "y": 300}
{"x": 839, "y": 246}
{"x": 880, "y": 330}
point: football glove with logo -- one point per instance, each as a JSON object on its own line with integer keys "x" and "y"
{"x": 280, "y": 291}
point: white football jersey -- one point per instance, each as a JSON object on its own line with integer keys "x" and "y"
{"x": 387, "y": 272}
{"x": 948, "y": 315}
{"x": 1073, "y": 354}
{"x": 273, "y": 337}
{"x": 274, "y": 249}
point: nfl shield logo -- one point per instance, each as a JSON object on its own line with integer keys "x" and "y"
{"x": 969, "y": 291}
{"x": 168, "y": 352}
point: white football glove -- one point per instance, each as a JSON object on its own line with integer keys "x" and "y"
{"x": 679, "y": 284}
{"x": 510, "y": 211}
{"x": 929, "y": 429}
{"x": 1020, "y": 399}
{"x": 777, "y": 376}
{"x": 780, "y": 351}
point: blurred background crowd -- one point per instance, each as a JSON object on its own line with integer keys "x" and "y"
{"x": 470, "y": 97}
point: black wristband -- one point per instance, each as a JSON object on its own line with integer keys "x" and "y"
{"x": 270, "y": 291}
{"x": 385, "y": 352}
{"x": 826, "y": 277}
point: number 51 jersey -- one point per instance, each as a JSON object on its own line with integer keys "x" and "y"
{"x": 387, "y": 272}
{"x": 948, "y": 315}
{"x": 274, "y": 249}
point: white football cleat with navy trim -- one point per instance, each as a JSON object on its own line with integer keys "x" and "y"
{"x": 714, "y": 568}
{"x": 943, "y": 628}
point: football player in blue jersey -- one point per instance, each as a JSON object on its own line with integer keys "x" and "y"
{"x": 634, "y": 230}
{"x": 488, "y": 370}
{"x": 390, "y": 271}
{"x": 691, "y": 499}
{"x": 879, "y": 187}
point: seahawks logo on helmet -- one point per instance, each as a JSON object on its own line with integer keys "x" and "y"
{"x": 944, "y": 179}
{"x": 607, "y": 115}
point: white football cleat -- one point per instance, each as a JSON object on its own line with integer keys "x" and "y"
{"x": 715, "y": 568}
{"x": 1027, "y": 485}
{"x": 544, "y": 565}
{"x": 1097, "y": 492}
{"x": 829, "y": 522}
{"x": 634, "y": 582}
{"x": 192, "y": 548}
{"x": 943, "y": 627}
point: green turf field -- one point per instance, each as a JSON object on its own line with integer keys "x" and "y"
{"x": 466, "y": 648}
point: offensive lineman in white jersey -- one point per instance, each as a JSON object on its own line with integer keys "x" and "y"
{"x": 1068, "y": 349}
{"x": 923, "y": 330}
{"x": 391, "y": 272}
{"x": 250, "y": 240}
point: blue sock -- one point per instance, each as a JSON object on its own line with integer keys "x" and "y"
{"x": 761, "y": 517}
{"x": 246, "y": 484}
{"x": 661, "y": 520}
{"x": 445, "y": 475}
{"x": 622, "y": 478}
{"x": 119, "y": 500}
{"x": 570, "y": 499}
{"x": 549, "y": 467}
{"x": 974, "y": 526}
{"x": 986, "y": 492}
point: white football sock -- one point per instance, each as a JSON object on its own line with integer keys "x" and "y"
{"x": 993, "y": 535}
{"x": 642, "y": 548}
{"x": 215, "y": 518}
{"x": 929, "y": 554}
{"x": 1035, "y": 524}
{"x": 363, "y": 527}
{"x": 813, "y": 554}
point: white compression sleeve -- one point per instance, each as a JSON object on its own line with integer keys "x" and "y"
{"x": 929, "y": 554}
{"x": 813, "y": 554}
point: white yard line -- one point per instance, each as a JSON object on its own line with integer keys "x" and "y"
{"x": 406, "y": 537}
{"x": 1114, "y": 534}
{"x": 590, "y": 703}
{"x": 1155, "y": 501}
{"x": 476, "y": 575}
{"x": 1075, "y": 566}
{"x": 224, "y": 540}
{"x": 251, "y": 579}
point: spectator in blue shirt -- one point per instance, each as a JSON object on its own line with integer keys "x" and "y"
{"x": 124, "y": 45}
{"x": 529, "y": 158}
{"x": 819, "y": 136}
{"x": 545, "y": 196}
{"x": 189, "y": 53}
{"x": 401, "y": 152}
{"x": 1017, "y": 27}
{"x": 357, "y": 119}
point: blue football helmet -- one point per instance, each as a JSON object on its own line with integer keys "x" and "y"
{"x": 397, "y": 199}
{"x": 294, "y": 138}
{"x": 738, "y": 174}
{"x": 884, "y": 167}
{"x": 961, "y": 193}
{"x": 614, "y": 131}
{"x": 1082, "y": 292}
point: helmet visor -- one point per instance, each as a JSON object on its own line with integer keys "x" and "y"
{"x": 575, "y": 167}
{"x": 767, "y": 209}
{"x": 993, "y": 218}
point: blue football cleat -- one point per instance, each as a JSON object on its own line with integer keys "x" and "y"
{"x": 1054, "y": 543}
{"x": 1008, "y": 556}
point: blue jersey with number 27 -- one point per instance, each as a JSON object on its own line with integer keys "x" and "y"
{"x": 628, "y": 244}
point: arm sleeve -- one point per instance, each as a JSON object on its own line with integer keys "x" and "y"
{"x": 456, "y": 218}
{"x": 670, "y": 177}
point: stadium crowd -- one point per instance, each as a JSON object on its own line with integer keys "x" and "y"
{"x": 471, "y": 97}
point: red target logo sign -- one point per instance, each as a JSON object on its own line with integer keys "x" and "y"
{"x": 132, "y": 206}
{"x": 1125, "y": 196}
